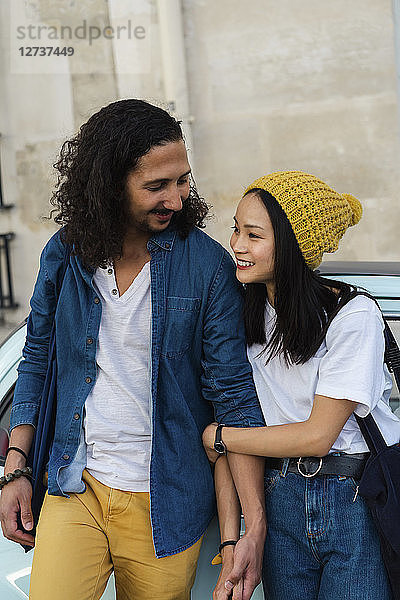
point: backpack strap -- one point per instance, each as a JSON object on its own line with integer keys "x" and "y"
{"x": 61, "y": 274}
{"x": 371, "y": 433}
{"x": 59, "y": 282}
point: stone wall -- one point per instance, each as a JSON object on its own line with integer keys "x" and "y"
{"x": 294, "y": 84}
{"x": 298, "y": 84}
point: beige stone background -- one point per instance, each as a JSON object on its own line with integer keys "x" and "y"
{"x": 262, "y": 85}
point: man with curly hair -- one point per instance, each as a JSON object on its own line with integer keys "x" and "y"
{"x": 149, "y": 341}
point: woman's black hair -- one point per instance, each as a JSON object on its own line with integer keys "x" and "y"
{"x": 90, "y": 199}
{"x": 304, "y": 301}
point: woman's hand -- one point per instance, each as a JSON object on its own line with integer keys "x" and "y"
{"x": 245, "y": 574}
{"x": 208, "y": 442}
{"x": 221, "y": 592}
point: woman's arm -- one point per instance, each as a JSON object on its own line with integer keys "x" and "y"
{"x": 241, "y": 564}
{"x": 248, "y": 477}
{"x": 313, "y": 437}
{"x": 229, "y": 521}
{"x": 227, "y": 501}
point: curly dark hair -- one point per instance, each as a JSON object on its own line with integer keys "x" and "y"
{"x": 90, "y": 200}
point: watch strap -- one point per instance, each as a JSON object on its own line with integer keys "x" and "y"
{"x": 219, "y": 445}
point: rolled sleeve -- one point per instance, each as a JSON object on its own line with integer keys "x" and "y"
{"x": 227, "y": 379}
{"x": 23, "y": 414}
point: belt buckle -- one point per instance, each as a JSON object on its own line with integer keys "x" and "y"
{"x": 308, "y": 475}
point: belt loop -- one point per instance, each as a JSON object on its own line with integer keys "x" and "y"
{"x": 285, "y": 466}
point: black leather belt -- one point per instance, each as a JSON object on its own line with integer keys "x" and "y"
{"x": 345, "y": 465}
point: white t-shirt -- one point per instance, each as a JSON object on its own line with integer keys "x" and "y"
{"x": 118, "y": 410}
{"x": 348, "y": 365}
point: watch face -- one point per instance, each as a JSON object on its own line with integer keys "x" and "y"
{"x": 220, "y": 447}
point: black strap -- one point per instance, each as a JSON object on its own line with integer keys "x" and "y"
{"x": 371, "y": 433}
{"x": 346, "y": 465}
{"x": 16, "y": 450}
{"x": 59, "y": 283}
{"x": 34, "y": 451}
{"x": 227, "y": 543}
{"x": 63, "y": 270}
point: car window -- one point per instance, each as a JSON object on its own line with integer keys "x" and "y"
{"x": 395, "y": 397}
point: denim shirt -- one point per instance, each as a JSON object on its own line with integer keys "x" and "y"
{"x": 199, "y": 372}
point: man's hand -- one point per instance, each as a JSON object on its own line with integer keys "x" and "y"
{"x": 245, "y": 574}
{"x": 208, "y": 442}
{"x": 16, "y": 498}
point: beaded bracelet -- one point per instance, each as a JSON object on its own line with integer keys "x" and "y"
{"x": 25, "y": 472}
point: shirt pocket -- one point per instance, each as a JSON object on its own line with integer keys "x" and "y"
{"x": 180, "y": 323}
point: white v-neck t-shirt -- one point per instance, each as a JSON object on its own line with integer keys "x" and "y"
{"x": 348, "y": 365}
{"x": 117, "y": 420}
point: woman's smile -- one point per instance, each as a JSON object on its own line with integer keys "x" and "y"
{"x": 244, "y": 264}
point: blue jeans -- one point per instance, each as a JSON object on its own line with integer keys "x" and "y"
{"x": 321, "y": 543}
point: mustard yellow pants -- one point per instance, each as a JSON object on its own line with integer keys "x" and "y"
{"x": 80, "y": 540}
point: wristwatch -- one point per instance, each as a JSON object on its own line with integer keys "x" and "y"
{"x": 219, "y": 445}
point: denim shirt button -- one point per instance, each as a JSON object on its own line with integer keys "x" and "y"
{"x": 96, "y": 300}
{"x": 88, "y": 380}
{"x": 65, "y": 456}
{"x": 89, "y": 341}
{"x": 167, "y": 245}
{"x": 76, "y": 416}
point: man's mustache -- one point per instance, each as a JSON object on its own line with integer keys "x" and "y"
{"x": 163, "y": 211}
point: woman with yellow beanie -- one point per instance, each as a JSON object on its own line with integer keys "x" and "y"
{"x": 317, "y": 353}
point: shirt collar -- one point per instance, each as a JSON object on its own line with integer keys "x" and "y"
{"x": 164, "y": 240}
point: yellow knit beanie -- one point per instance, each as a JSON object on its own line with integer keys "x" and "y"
{"x": 319, "y": 216}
